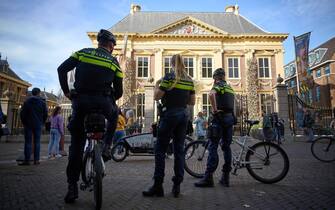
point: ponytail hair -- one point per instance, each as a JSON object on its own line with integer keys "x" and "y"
{"x": 179, "y": 69}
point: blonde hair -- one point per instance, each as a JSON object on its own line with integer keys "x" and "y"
{"x": 179, "y": 69}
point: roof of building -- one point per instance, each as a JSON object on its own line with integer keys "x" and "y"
{"x": 8, "y": 71}
{"x": 46, "y": 95}
{"x": 330, "y": 46}
{"x": 147, "y": 22}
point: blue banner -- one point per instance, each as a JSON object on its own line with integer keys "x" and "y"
{"x": 301, "y": 44}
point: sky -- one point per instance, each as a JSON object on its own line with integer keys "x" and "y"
{"x": 36, "y": 36}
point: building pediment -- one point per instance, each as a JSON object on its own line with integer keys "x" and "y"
{"x": 189, "y": 26}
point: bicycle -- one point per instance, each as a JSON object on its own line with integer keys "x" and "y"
{"x": 257, "y": 158}
{"x": 139, "y": 145}
{"x": 323, "y": 148}
{"x": 93, "y": 167}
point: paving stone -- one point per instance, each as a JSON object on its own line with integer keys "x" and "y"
{"x": 310, "y": 184}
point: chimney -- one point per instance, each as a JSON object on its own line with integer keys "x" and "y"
{"x": 232, "y": 9}
{"x": 134, "y": 8}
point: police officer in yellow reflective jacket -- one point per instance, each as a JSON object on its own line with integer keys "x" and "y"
{"x": 176, "y": 91}
{"x": 98, "y": 84}
{"x": 221, "y": 98}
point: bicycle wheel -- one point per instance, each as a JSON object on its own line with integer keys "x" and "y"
{"x": 119, "y": 152}
{"x": 97, "y": 181}
{"x": 196, "y": 155}
{"x": 86, "y": 168}
{"x": 169, "y": 152}
{"x": 267, "y": 162}
{"x": 323, "y": 149}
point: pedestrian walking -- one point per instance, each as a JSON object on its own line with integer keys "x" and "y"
{"x": 98, "y": 85}
{"x": 221, "y": 98}
{"x": 34, "y": 113}
{"x": 308, "y": 122}
{"x": 56, "y": 132}
{"x": 176, "y": 91}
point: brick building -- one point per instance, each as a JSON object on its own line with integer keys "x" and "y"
{"x": 321, "y": 89}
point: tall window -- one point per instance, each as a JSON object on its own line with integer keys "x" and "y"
{"x": 263, "y": 68}
{"x": 189, "y": 66}
{"x": 142, "y": 66}
{"x": 167, "y": 65}
{"x": 2, "y": 89}
{"x": 233, "y": 68}
{"x": 327, "y": 70}
{"x": 266, "y": 103}
{"x": 140, "y": 105}
{"x": 205, "y": 104}
{"x": 317, "y": 93}
{"x": 206, "y": 67}
{"x": 318, "y": 73}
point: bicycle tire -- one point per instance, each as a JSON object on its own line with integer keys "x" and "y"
{"x": 87, "y": 161}
{"x": 97, "y": 182}
{"x": 263, "y": 149}
{"x": 323, "y": 149}
{"x": 196, "y": 155}
{"x": 119, "y": 147}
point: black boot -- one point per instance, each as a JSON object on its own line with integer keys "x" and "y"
{"x": 225, "y": 178}
{"x": 155, "y": 190}
{"x": 106, "y": 152}
{"x": 72, "y": 193}
{"x": 207, "y": 181}
{"x": 176, "y": 190}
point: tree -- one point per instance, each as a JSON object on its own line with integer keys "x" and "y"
{"x": 252, "y": 86}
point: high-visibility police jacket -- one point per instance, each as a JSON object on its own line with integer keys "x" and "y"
{"x": 224, "y": 96}
{"x": 177, "y": 93}
{"x": 97, "y": 72}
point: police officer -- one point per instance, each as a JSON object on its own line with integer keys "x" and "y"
{"x": 98, "y": 83}
{"x": 176, "y": 91}
{"x": 221, "y": 98}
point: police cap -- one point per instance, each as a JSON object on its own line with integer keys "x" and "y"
{"x": 106, "y": 36}
{"x": 219, "y": 73}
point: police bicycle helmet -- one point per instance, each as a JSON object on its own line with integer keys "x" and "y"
{"x": 219, "y": 73}
{"x": 106, "y": 35}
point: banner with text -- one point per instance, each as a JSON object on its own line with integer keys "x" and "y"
{"x": 301, "y": 44}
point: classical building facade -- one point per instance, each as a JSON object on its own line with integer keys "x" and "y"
{"x": 13, "y": 91}
{"x": 146, "y": 41}
{"x": 320, "y": 89}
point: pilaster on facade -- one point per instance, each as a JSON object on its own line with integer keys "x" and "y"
{"x": 158, "y": 64}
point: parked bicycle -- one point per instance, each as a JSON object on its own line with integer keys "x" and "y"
{"x": 93, "y": 168}
{"x": 323, "y": 148}
{"x": 265, "y": 161}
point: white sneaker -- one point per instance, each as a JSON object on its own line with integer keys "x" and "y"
{"x": 58, "y": 156}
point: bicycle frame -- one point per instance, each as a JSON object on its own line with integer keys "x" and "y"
{"x": 92, "y": 140}
{"x": 237, "y": 157}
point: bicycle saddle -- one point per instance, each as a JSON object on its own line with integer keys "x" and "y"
{"x": 94, "y": 122}
{"x": 252, "y": 122}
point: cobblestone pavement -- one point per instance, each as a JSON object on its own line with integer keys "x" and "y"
{"x": 310, "y": 184}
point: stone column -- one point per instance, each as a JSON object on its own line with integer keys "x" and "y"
{"x": 158, "y": 64}
{"x": 281, "y": 105}
{"x": 149, "y": 107}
